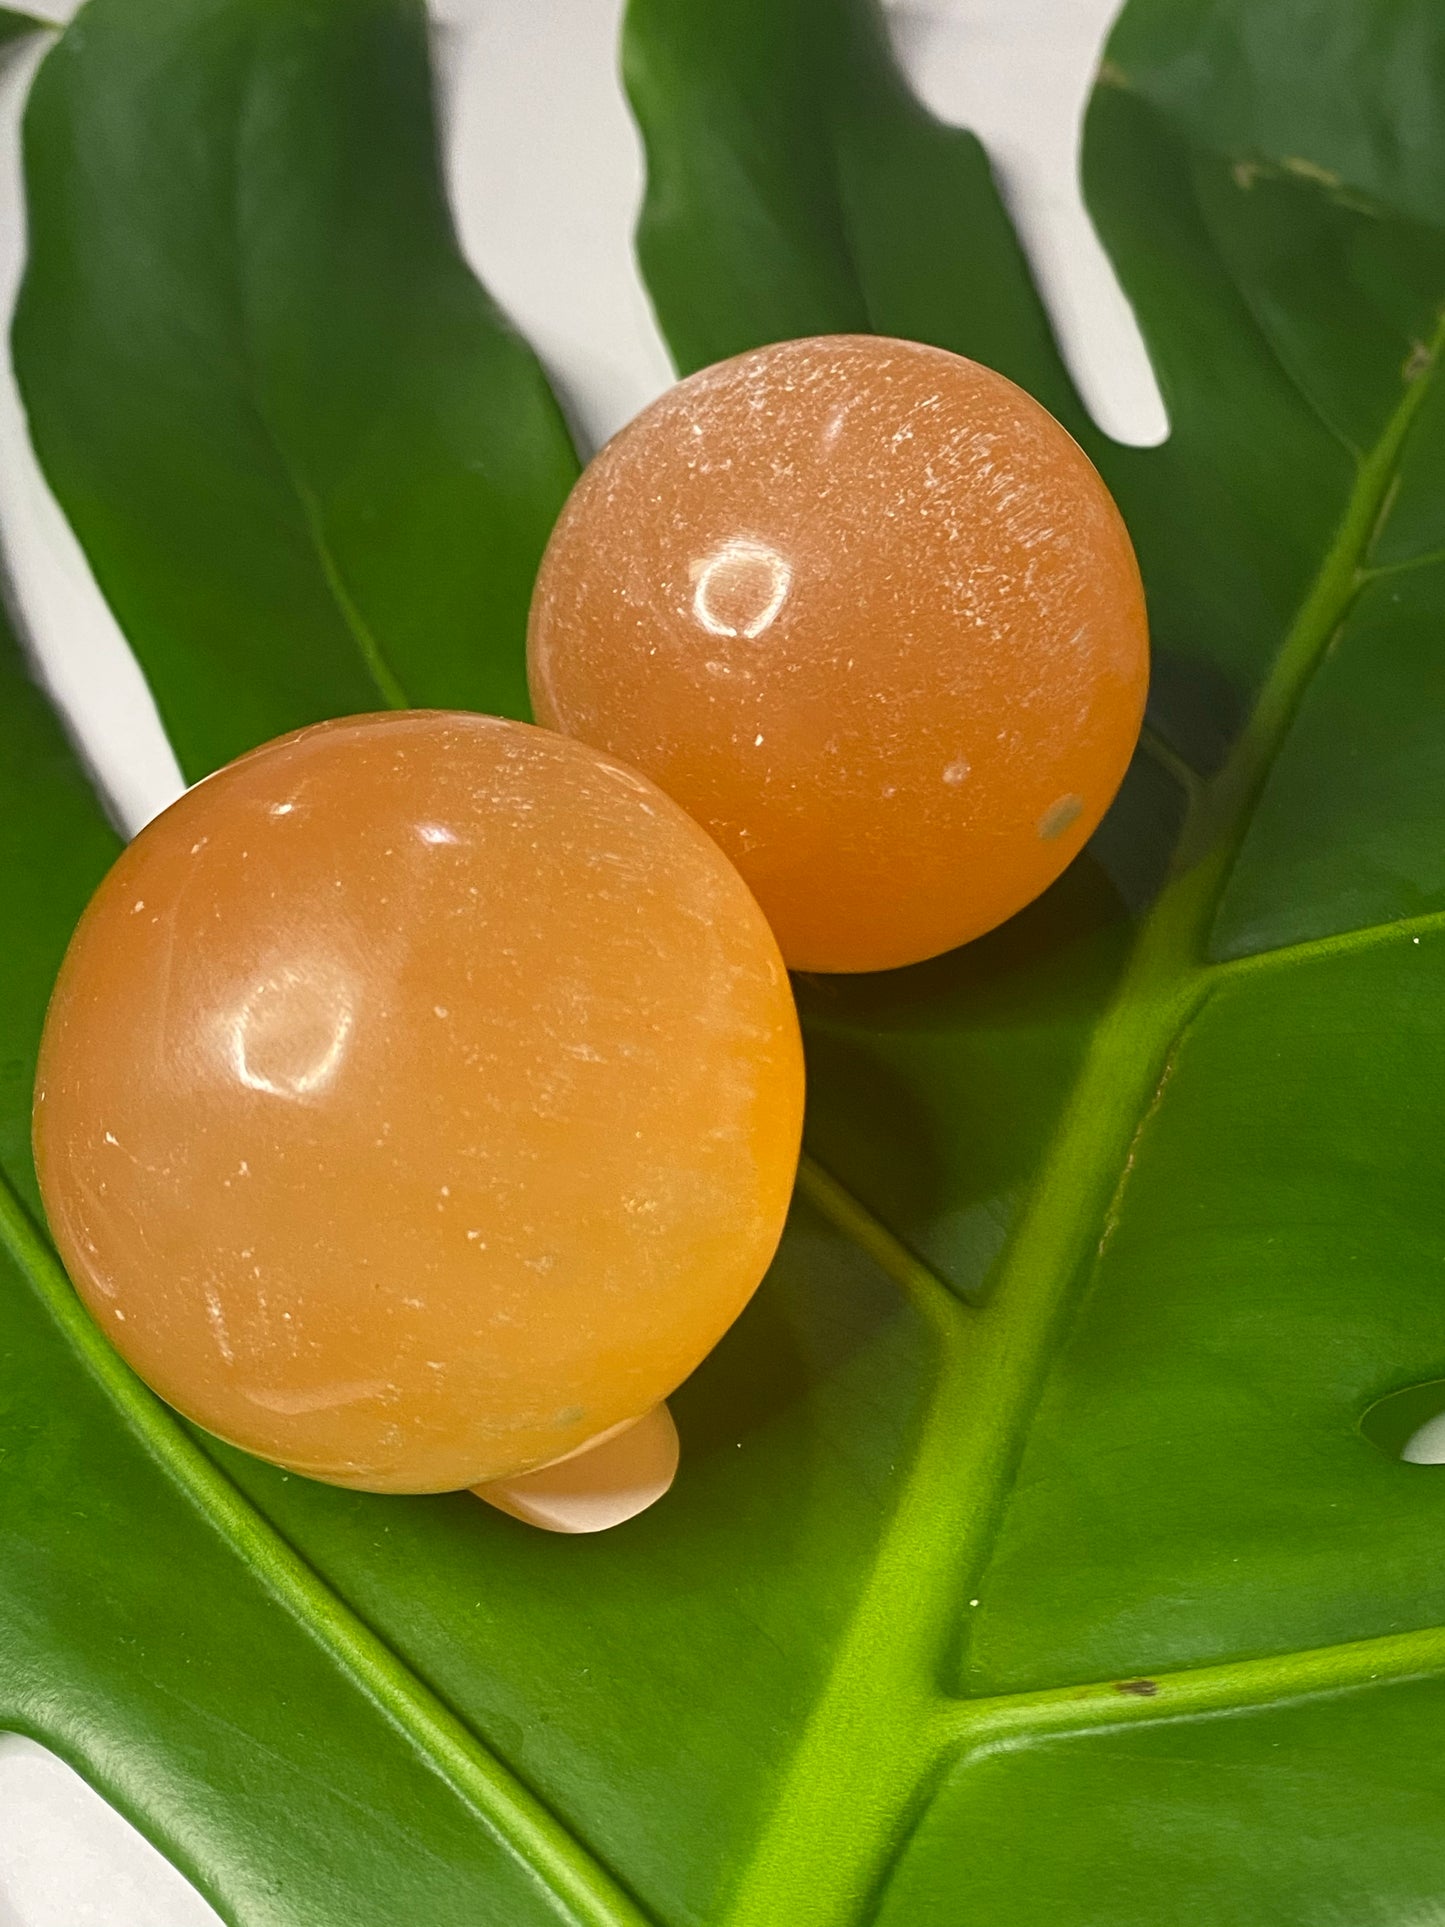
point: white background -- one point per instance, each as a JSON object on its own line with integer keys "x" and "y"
{"x": 546, "y": 175}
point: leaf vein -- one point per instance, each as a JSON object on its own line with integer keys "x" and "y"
{"x": 935, "y": 1301}
{"x": 1340, "y": 943}
{"x": 312, "y": 520}
{"x": 513, "y": 1813}
{"x": 1266, "y": 1680}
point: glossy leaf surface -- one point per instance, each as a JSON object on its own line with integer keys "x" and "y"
{"x": 1027, "y": 1557}
{"x": 312, "y": 467}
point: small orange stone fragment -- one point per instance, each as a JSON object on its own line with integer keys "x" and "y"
{"x": 868, "y": 613}
{"x": 419, "y": 1100}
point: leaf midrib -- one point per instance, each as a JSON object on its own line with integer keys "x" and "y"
{"x": 572, "y": 1876}
{"x": 885, "y": 1723}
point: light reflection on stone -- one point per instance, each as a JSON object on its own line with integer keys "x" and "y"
{"x": 739, "y": 589}
{"x": 289, "y": 1035}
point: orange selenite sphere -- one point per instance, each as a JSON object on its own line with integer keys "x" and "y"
{"x": 419, "y": 1099}
{"x": 869, "y": 614}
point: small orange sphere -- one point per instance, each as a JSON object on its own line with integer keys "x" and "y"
{"x": 869, "y": 614}
{"x": 419, "y": 1098}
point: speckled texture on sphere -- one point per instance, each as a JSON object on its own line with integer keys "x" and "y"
{"x": 420, "y": 1097}
{"x": 868, "y": 612}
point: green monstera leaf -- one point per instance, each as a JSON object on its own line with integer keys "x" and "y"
{"x": 1033, "y": 1555}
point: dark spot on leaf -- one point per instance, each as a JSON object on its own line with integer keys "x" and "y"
{"x": 1139, "y": 1689}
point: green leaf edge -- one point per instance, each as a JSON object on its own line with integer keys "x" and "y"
{"x": 514, "y": 1814}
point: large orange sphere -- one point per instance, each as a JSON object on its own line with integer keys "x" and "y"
{"x": 419, "y": 1098}
{"x": 869, "y": 614}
